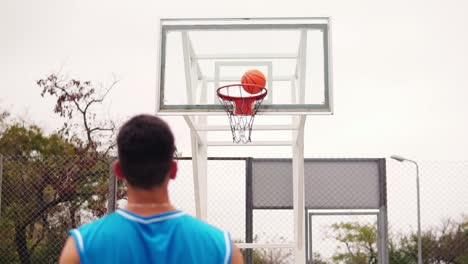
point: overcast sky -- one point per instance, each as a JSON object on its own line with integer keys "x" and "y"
{"x": 399, "y": 67}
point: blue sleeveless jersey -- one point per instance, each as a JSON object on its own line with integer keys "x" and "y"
{"x": 170, "y": 237}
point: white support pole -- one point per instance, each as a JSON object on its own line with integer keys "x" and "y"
{"x": 264, "y": 245}
{"x": 204, "y": 91}
{"x": 200, "y": 160}
{"x": 194, "y": 69}
{"x": 216, "y": 77}
{"x": 299, "y": 124}
{"x": 302, "y": 66}
{"x": 195, "y": 61}
{"x": 249, "y": 56}
{"x": 255, "y": 127}
{"x": 199, "y": 147}
{"x": 298, "y": 59}
{"x": 255, "y": 143}
{"x": 298, "y": 189}
{"x": 293, "y": 92}
{"x": 276, "y": 78}
{"x": 187, "y": 66}
{"x": 193, "y": 128}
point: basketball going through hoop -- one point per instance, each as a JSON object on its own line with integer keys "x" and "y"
{"x": 241, "y": 108}
{"x": 255, "y": 77}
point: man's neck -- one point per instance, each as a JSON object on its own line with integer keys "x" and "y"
{"x": 149, "y": 202}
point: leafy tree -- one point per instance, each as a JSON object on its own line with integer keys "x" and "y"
{"x": 446, "y": 244}
{"x": 76, "y": 101}
{"x": 4, "y": 114}
{"x": 318, "y": 259}
{"x": 53, "y": 181}
{"x": 360, "y": 243}
{"x": 25, "y": 196}
{"x": 269, "y": 255}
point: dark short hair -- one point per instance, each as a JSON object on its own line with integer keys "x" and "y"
{"x": 146, "y": 149}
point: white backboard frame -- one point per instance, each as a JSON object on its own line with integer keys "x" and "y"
{"x": 320, "y": 23}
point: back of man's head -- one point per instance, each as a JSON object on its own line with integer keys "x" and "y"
{"x": 146, "y": 149}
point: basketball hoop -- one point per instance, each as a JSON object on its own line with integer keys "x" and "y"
{"x": 241, "y": 108}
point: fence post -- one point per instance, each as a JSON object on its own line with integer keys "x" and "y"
{"x": 248, "y": 209}
{"x": 1, "y": 178}
{"x": 112, "y": 196}
{"x": 382, "y": 220}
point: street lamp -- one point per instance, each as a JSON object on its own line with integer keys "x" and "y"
{"x": 401, "y": 159}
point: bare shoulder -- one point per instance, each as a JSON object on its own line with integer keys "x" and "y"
{"x": 69, "y": 253}
{"x": 237, "y": 257}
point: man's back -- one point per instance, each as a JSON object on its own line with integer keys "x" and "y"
{"x": 170, "y": 237}
{"x": 151, "y": 230}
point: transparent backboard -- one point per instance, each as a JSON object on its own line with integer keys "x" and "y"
{"x": 196, "y": 56}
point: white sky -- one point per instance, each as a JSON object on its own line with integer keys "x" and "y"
{"x": 399, "y": 67}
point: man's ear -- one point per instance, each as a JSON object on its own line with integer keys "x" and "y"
{"x": 118, "y": 170}
{"x": 173, "y": 170}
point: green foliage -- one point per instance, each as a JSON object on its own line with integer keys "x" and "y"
{"x": 317, "y": 259}
{"x": 271, "y": 256}
{"x": 44, "y": 186}
{"x": 445, "y": 244}
{"x": 399, "y": 253}
{"x": 360, "y": 243}
{"x": 29, "y": 142}
{"x": 54, "y": 182}
{"x": 7, "y": 246}
{"x": 268, "y": 255}
{"x": 3, "y": 119}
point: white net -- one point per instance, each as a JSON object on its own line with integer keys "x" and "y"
{"x": 241, "y": 108}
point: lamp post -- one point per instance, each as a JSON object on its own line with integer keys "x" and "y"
{"x": 401, "y": 159}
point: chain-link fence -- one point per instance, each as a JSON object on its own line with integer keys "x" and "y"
{"x": 42, "y": 198}
{"x": 444, "y": 211}
{"x": 444, "y": 219}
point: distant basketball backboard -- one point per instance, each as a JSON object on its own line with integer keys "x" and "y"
{"x": 196, "y": 56}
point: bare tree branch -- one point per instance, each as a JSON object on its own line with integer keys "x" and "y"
{"x": 69, "y": 95}
{"x": 349, "y": 248}
{"x": 78, "y": 96}
{"x": 101, "y": 99}
{"x": 102, "y": 129}
{"x": 109, "y": 148}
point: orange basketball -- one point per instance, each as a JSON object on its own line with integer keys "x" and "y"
{"x": 253, "y": 77}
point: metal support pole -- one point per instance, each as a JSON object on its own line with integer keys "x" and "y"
{"x": 298, "y": 192}
{"x": 308, "y": 231}
{"x": 248, "y": 209}
{"x": 401, "y": 159}
{"x": 1, "y": 177}
{"x": 419, "y": 212}
{"x": 199, "y": 166}
{"x": 382, "y": 218}
{"x": 112, "y": 196}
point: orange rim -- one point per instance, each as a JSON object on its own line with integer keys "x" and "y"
{"x": 260, "y": 96}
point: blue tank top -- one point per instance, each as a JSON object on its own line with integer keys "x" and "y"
{"x": 170, "y": 237}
